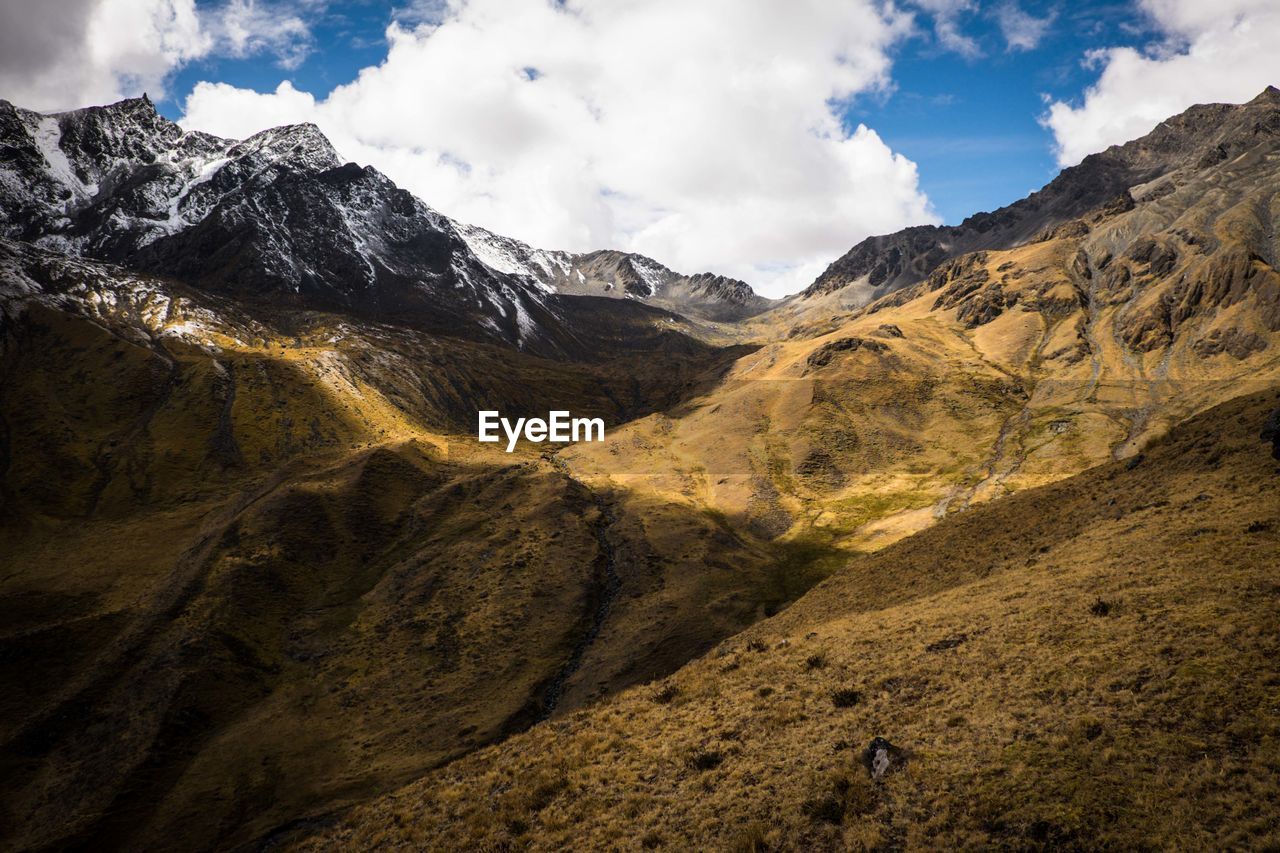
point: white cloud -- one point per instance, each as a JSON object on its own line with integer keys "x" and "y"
{"x": 1211, "y": 52}
{"x": 1021, "y": 30}
{"x": 62, "y": 55}
{"x": 946, "y": 25}
{"x": 79, "y": 52}
{"x": 704, "y": 134}
{"x": 245, "y": 27}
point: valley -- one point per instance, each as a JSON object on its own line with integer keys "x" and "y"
{"x": 1088, "y": 662}
{"x": 262, "y": 585}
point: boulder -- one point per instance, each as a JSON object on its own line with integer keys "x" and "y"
{"x": 882, "y": 757}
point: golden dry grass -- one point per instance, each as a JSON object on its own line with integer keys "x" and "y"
{"x": 267, "y": 574}
{"x": 860, "y": 446}
{"x": 1108, "y": 677}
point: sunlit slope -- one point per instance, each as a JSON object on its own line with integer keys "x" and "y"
{"x": 1090, "y": 663}
{"x": 254, "y": 567}
{"x": 1001, "y": 371}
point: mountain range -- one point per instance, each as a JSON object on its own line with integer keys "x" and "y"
{"x": 281, "y": 217}
{"x": 992, "y": 494}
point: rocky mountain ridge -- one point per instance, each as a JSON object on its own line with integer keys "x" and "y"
{"x": 280, "y": 216}
{"x": 622, "y": 275}
{"x": 276, "y": 217}
{"x": 1198, "y": 139}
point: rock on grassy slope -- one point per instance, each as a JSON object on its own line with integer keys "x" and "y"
{"x": 1092, "y": 663}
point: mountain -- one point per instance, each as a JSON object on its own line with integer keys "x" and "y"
{"x": 621, "y": 275}
{"x": 238, "y": 386}
{"x": 1001, "y": 370}
{"x": 233, "y": 534}
{"x": 1199, "y": 139}
{"x": 277, "y": 217}
{"x": 261, "y": 586}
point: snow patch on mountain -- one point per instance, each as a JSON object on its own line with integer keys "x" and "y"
{"x": 177, "y": 219}
{"x": 124, "y": 175}
{"x": 48, "y": 139}
{"x": 513, "y": 257}
{"x": 654, "y": 275}
{"x": 280, "y": 216}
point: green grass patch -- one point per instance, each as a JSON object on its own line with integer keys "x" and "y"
{"x": 852, "y": 512}
{"x": 799, "y": 564}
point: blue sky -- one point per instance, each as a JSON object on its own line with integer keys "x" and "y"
{"x": 345, "y": 37}
{"x": 971, "y": 123}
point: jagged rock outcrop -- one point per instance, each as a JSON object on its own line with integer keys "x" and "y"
{"x": 280, "y": 218}
{"x": 277, "y": 217}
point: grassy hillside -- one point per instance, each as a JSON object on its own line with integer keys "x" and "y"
{"x": 1002, "y": 371}
{"x": 1089, "y": 663}
{"x": 231, "y": 540}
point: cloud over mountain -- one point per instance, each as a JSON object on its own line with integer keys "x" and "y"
{"x": 1207, "y": 52}
{"x": 706, "y": 134}
{"x": 56, "y": 56}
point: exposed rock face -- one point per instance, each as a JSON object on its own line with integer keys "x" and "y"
{"x": 1227, "y": 277}
{"x": 619, "y": 275}
{"x": 966, "y": 285}
{"x": 826, "y": 353}
{"x": 1201, "y": 138}
{"x": 889, "y": 330}
{"x": 279, "y": 218}
{"x": 1234, "y": 342}
{"x": 276, "y": 217}
{"x": 725, "y": 289}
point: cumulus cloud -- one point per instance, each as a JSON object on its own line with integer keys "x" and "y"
{"x": 1021, "y": 31}
{"x": 69, "y": 53}
{"x": 706, "y": 134}
{"x": 1208, "y": 52}
{"x": 58, "y": 55}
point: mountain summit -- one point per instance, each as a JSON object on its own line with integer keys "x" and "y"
{"x": 276, "y": 217}
{"x": 621, "y": 275}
